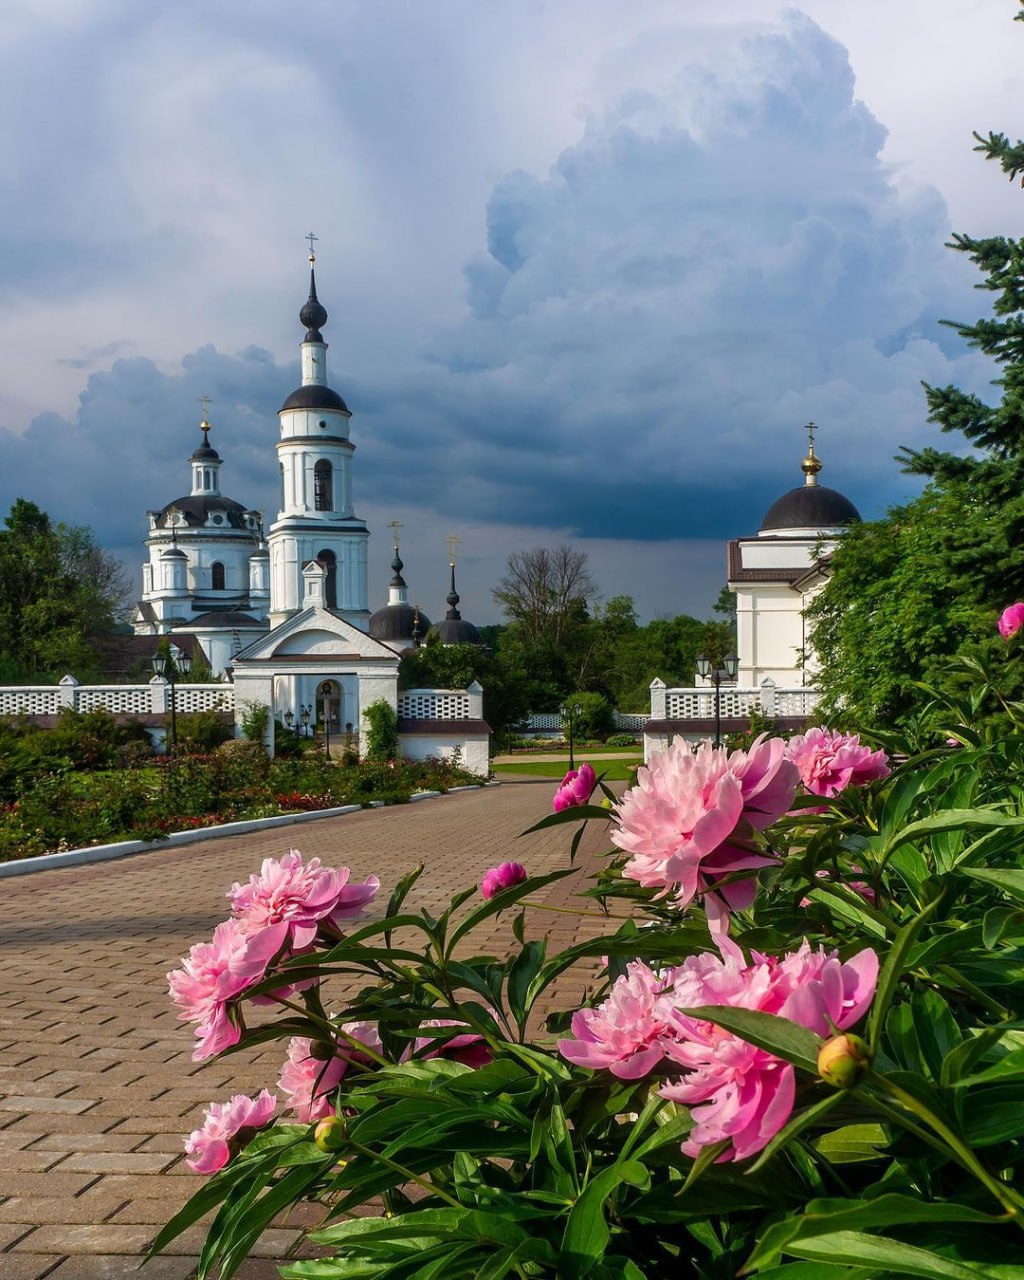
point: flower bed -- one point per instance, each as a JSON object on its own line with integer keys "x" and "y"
{"x": 65, "y": 808}
{"x": 804, "y": 1059}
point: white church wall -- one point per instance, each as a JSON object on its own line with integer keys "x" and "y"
{"x": 472, "y": 749}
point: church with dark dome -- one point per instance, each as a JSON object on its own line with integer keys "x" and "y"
{"x": 284, "y": 610}
{"x": 777, "y": 573}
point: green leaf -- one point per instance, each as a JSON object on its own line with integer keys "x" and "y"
{"x": 586, "y": 1230}
{"x": 796, "y": 1125}
{"x": 787, "y": 1040}
{"x": 859, "y": 1249}
{"x": 950, "y": 820}
{"x": 576, "y": 813}
{"x": 852, "y": 1143}
{"x": 892, "y": 971}
{"x": 526, "y": 967}
{"x": 1009, "y": 882}
{"x": 502, "y": 901}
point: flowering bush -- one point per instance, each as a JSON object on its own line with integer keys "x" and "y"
{"x": 800, "y": 1054}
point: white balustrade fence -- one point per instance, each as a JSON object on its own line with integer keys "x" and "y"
{"x": 737, "y": 703}
{"x": 153, "y": 698}
{"x": 441, "y": 704}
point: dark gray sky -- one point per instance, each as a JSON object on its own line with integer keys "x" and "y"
{"x": 589, "y": 267}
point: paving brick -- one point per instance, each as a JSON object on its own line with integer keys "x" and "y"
{"x": 64, "y": 1106}
{"x": 73, "y": 1239}
{"x": 10, "y": 1232}
{"x": 123, "y": 1267}
{"x": 40, "y": 1210}
{"x": 26, "y": 1266}
{"x": 66, "y": 1143}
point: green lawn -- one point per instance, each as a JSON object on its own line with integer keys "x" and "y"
{"x": 613, "y": 770}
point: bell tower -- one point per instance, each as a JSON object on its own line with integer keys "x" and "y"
{"x": 316, "y": 519}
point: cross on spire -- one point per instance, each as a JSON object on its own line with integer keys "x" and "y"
{"x": 452, "y": 540}
{"x": 394, "y": 526}
{"x": 204, "y": 426}
{"x": 811, "y": 428}
{"x": 312, "y": 252}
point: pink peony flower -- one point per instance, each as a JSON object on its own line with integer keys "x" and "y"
{"x": 310, "y": 1081}
{"x": 576, "y": 789}
{"x": 626, "y": 1033}
{"x": 227, "y": 1128}
{"x": 690, "y": 817}
{"x": 829, "y": 761}
{"x": 470, "y": 1048}
{"x": 503, "y": 877}
{"x": 1011, "y": 620}
{"x": 294, "y": 899}
{"x": 737, "y": 1092}
{"x": 211, "y": 979}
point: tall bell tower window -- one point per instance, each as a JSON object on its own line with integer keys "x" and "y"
{"x": 217, "y": 576}
{"x": 323, "y": 499}
{"x": 330, "y": 562}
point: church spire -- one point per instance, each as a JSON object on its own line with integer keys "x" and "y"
{"x": 205, "y": 460}
{"x": 811, "y": 464}
{"x": 453, "y": 599}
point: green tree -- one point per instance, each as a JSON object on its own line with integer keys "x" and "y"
{"x": 927, "y": 582}
{"x": 58, "y": 591}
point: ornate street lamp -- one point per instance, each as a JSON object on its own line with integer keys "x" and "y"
{"x": 289, "y": 719}
{"x": 304, "y": 715}
{"x": 718, "y": 676}
{"x": 170, "y": 665}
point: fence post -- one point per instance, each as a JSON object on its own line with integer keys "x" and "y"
{"x": 158, "y": 687}
{"x": 658, "y": 700}
{"x": 476, "y": 700}
{"x": 768, "y": 697}
{"x": 68, "y": 696}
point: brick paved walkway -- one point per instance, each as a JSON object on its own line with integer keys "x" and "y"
{"x": 97, "y": 1085}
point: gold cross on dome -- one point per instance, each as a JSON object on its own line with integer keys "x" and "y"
{"x": 205, "y": 401}
{"x": 394, "y": 526}
{"x": 811, "y": 428}
{"x": 312, "y": 252}
{"x": 452, "y": 540}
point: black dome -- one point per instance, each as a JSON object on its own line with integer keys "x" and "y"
{"x": 315, "y": 396}
{"x": 458, "y": 631}
{"x": 206, "y": 453}
{"x": 226, "y": 618}
{"x": 395, "y": 622}
{"x": 811, "y": 506}
{"x": 197, "y": 510}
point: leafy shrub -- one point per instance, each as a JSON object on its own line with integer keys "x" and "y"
{"x": 621, "y": 740}
{"x": 202, "y": 731}
{"x": 382, "y": 732}
{"x": 592, "y": 715}
{"x": 255, "y": 720}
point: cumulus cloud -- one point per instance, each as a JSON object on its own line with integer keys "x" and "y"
{"x": 718, "y": 254}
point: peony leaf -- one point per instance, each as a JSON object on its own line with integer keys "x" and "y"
{"x": 787, "y": 1040}
{"x": 859, "y": 1249}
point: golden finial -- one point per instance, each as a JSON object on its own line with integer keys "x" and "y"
{"x": 811, "y": 465}
{"x": 204, "y": 426}
{"x": 312, "y": 252}
{"x": 394, "y": 526}
{"x": 452, "y": 540}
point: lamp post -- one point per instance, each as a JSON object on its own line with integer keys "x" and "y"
{"x": 568, "y": 712}
{"x": 707, "y": 670}
{"x": 289, "y": 720}
{"x": 170, "y": 665}
{"x": 304, "y": 715}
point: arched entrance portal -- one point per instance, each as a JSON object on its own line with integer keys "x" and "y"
{"x": 328, "y": 710}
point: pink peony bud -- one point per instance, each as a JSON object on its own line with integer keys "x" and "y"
{"x": 1011, "y": 620}
{"x": 576, "y": 789}
{"x": 500, "y": 878}
{"x": 843, "y": 1061}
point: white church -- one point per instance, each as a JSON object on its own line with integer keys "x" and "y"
{"x": 284, "y": 612}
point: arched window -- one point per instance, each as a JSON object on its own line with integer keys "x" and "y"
{"x": 217, "y": 576}
{"x": 330, "y": 562}
{"x": 322, "y": 485}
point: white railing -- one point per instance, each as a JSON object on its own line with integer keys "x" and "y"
{"x": 736, "y": 703}
{"x": 153, "y": 698}
{"x": 441, "y": 704}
